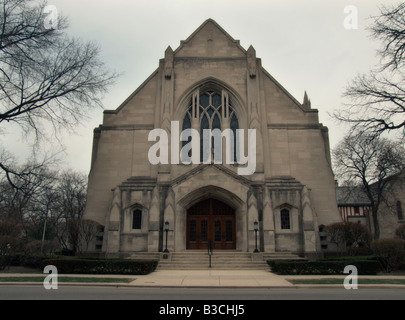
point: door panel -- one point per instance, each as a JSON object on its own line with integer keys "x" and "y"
{"x": 197, "y": 232}
{"x": 193, "y": 231}
{"x": 211, "y": 220}
{"x": 204, "y": 231}
{"x": 218, "y": 231}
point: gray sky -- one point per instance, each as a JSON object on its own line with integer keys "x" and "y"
{"x": 302, "y": 43}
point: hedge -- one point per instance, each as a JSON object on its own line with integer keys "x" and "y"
{"x": 84, "y": 266}
{"x": 364, "y": 267}
{"x": 390, "y": 253}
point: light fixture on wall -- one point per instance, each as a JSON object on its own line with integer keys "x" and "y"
{"x": 256, "y": 226}
{"x": 167, "y": 231}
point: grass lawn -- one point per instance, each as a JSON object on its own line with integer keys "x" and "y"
{"x": 68, "y": 279}
{"x": 340, "y": 281}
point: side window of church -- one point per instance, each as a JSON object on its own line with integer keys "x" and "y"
{"x": 137, "y": 219}
{"x": 285, "y": 219}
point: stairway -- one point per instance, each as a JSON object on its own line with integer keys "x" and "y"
{"x": 220, "y": 260}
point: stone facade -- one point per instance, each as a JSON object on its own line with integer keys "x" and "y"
{"x": 290, "y": 194}
{"x": 391, "y": 212}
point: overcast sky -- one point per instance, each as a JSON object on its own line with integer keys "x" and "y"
{"x": 302, "y": 43}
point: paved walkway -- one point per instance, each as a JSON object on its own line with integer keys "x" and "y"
{"x": 212, "y": 278}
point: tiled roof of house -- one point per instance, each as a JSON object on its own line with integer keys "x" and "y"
{"x": 351, "y": 196}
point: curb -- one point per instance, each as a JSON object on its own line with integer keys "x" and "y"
{"x": 126, "y": 285}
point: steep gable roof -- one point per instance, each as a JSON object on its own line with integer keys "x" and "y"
{"x": 352, "y": 196}
{"x": 208, "y": 31}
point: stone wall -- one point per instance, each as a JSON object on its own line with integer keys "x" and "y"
{"x": 293, "y": 161}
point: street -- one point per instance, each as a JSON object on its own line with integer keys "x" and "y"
{"x": 37, "y": 292}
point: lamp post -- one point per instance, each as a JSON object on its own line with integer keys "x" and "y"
{"x": 256, "y": 226}
{"x": 167, "y": 231}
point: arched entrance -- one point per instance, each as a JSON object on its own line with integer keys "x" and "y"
{"x": 212, "y": 221}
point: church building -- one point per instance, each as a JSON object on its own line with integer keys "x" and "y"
{"x": 270, "y": 188}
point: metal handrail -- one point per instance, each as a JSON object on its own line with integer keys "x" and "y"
{"x": 210, "y": 250}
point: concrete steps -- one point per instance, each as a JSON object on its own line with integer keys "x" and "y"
{"x": 220, "y": 260}
{"x": 225, "y": 260}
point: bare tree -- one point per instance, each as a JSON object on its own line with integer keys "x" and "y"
{"x": 46, "y": 77}
{"x": 72, "y": 190}
{"x": 23, "y": 204}
{"x": 348, "y": 235}
{"x": 370, "y": 163}
{"x": 49, "y": 205}
{"x": 389, "y": 27}
{"x": 89, "y": 230}
{"x": 377, "y": 100}
{"x": 336, "y": 234}
{"x": 79, "y": 233}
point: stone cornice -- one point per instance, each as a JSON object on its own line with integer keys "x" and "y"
{"x": 138, "y": 184}
{"x": 203, "y": 167}
{"x": 283, "y": 183}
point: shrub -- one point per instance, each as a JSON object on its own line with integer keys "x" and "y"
{"x": 364, "y": 267}
{"x": 389, "y": 252}
{"x": 85, "y": 266}
{"x": 353, "y": 236}
{"x": 359, "y": 251}
{"x": 9, "y": 245}
{"x": 400, "y": 232}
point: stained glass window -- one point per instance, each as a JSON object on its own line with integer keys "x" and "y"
{"x": 234, "y": 126}
{"x": 210, "y": 116}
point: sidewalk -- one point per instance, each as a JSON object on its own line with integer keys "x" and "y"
{"x": 212, "y": 278}
{"x": 207, "y": 278}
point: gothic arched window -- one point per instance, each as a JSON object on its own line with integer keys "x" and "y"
{"x": 285, "y": 219}
{"x": 137, "y": 219}
{"x": 213, "y": 111}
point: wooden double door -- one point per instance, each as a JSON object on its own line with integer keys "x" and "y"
{"x": 211, "y": 221}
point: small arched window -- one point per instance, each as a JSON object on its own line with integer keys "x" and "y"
{"x": 137, "y": 219}
{"x": 285, "y": 219}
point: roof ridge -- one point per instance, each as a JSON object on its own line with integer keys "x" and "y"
{"x": 218, "y": 26}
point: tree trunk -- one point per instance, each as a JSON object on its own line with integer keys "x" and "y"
{"x": 376, "y": 224}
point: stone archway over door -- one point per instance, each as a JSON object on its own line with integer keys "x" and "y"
{"x": 211, "y": 220}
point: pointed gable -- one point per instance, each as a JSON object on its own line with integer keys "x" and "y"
{"x": 200, "y": 57}
{"x": 210, "y": 40}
